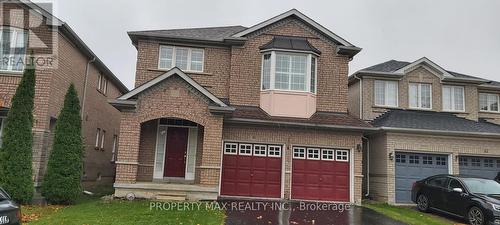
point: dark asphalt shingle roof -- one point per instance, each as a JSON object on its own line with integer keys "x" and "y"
{"x": 387, "y": 67}
{"x": 327, "y": 118}
{"x": 205, "y": 33}
{"x": 440, "y": 121}
{"x": 394, "y": 65}
{"x": 290, "y": 43}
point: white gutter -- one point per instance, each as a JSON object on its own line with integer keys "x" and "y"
{"x": 85, "y": 87}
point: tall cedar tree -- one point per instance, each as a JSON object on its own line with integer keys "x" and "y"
{"x": 16, "y": 175}
{"x": 61, "y": 184}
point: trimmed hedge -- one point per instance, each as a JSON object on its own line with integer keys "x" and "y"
{"x": 62, "y": 182}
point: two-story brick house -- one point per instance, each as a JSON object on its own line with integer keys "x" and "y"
{"x": 73, "y": 62}
{"x": 430, "y": 120}
{"x": 256, "y": 112}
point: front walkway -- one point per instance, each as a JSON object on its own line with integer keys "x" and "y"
{"x": 294, "y": 214}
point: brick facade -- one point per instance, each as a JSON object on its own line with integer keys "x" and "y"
{"x": 231, "y": 73}
{"x": 384, "y": 143}
{"x": 50, "y": 88}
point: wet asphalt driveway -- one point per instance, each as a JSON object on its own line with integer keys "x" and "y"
{"x": 271, "y": 213}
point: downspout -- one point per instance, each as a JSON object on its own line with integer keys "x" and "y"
{"x": 85, "y": 88}
{"x": 361, "y": 116}
{"x": 367, "y": 166}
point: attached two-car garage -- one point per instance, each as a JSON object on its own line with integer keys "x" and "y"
{"x": 256, "y": 170}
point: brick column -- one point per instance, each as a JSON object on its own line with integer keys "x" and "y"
{"x": 211, "y": 158}
{"x": 128, "y": 149}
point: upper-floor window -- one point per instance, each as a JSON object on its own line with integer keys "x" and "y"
{"x": 453, "y": 98}
{"x": 12, "y": 49}
{"x": 289, "y": 72}
{"x": 488, "y": 102}
{"x": 420, "y": 96}
{"x": 386, "y": 93}
{"x": 102, "y": 83}
{"x": 187, "y": 59}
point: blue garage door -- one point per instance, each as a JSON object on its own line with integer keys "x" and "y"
{"x": 411, "y": 167}
{"x": 479, "y": 166}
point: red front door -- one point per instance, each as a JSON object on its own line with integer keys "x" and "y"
{"x": 176, "y": 147}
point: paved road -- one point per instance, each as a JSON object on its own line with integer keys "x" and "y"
{"x": 254, "y": 213}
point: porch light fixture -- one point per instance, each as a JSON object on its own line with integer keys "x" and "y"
{"x": 391, "y": 156}
{"x": 359, "y": 147}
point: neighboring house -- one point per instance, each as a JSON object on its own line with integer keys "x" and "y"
{"x": 77, "y": 64}
{"x": 234, "y": 111}
{"x": 430, "y": 120}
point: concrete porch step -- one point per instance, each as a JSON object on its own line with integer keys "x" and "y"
{"x": 171, "y": 197}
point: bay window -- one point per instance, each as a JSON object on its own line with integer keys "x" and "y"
{"x": 386, "y": 93}
{"x": 453, "y": 98}
{"x": 188, "y": 59}
{"x": 289, "y": 72}
{"x": 420, "y": 96}
{"x": 488, "y": 102}
{"x": 12, "y": 49}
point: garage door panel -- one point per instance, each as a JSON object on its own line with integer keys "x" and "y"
{"x": 250, "y": 175}
{"x": 323, "y": 179}
{"x": 485, "y": 167}
{"x": 411, "y": 167}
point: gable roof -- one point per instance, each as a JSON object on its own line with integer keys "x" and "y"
{"x": 211, "y": 34}
{"x": 172, "y": 72}
{"x": 297, "y": 14}
{"x": 434, "y": 121}
{"x": 235, "y": 35}
{"x": 398, "y": 68}
{"x": 66, "y": 30}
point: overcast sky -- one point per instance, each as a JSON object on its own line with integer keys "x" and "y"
{"x": 460, "y": 35}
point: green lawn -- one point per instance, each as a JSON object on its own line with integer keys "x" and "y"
{"x": 408, "y": 215}
{"x": 96, "y": 211}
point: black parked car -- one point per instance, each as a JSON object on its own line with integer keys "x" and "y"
{"x": 475, "y": 199}
{"x": 10, "y": 212}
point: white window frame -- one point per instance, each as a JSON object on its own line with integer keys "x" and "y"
{"x": 314, "y": 149}
{"x": 97, "y": 136}
{"x": 343, "y": 157}
{"x": 386, "y": 93}
{"x": 103, "y": 137}
{"x": 332, "y": 151}
{"x": 16, "y": 32}
{"x": 488, "y": 102}
{"x": 113, "y": 150}
{"x": 452, "y": 98}
{"x": 232, "y": 146}
{"x": 243, "y": 146}
{"x": 257, "y": 148}
{"x": 188, "y": 68}
{"x": 295, "y": 149}
{"x": 419, "y": 96}
{"x": 272, "y": 74}
{"x": 271, "y": 151}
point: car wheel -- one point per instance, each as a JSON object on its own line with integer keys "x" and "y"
{"x": 475, "y": 216}
{"x": 423, "y": 203}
